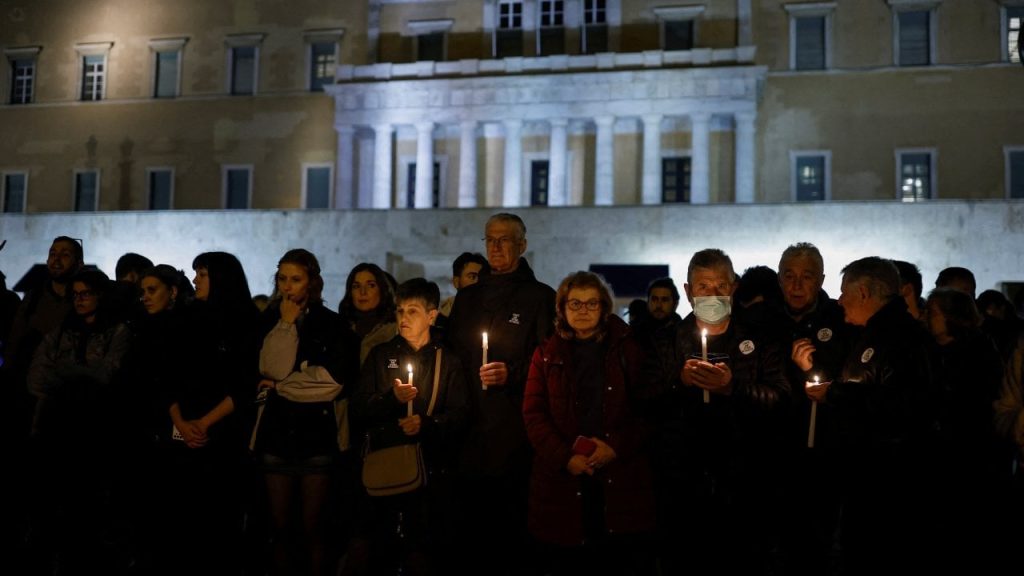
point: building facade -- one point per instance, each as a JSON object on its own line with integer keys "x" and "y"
{"x": 150, "y": 105}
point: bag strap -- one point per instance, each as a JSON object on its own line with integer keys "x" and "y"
{"x": 437, "y": 380}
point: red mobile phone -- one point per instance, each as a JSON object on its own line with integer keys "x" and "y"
{"x": 583, "y": 446}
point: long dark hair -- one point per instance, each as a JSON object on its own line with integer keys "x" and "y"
{"x": 229, "y": 289}
{"x": 386, "y": 309}
{"x": 309, "y": 263}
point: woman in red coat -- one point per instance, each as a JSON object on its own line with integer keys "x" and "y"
{"x": 591, "y": 497}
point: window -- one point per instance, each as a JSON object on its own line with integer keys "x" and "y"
{"x": 237, "y": 187}
{"x": 1015, "y": 172}
{"x": 914, "y": 28}
{"x": 810, "y": 31}
{"x": 551, "y": 37}
{"x": 1013, "y": 19}
{"x": 811, "y": 176}
{"x": 430, "y": 47}
{"x": 915, "y": 175}
{"x": 678, "y": 27}
{"x": 595, "y": 26}
{"x": 410, "y": 189}
{"x": 13, "y": 192}
{"x": 539, "y": 182}
{"x": 87, "y": 190}
{"x": 675, "y": 180}
{"x": 161, "y": 188}
{"x": 93, "y": 77}
{"x": 167, "y": 67}
{"x": 322, "y": 65}
{"x": 508, "y": 38}
{"x": 316, "y": 186}
{"x": 22, "y": 63}
{"x": 244, "y": 63}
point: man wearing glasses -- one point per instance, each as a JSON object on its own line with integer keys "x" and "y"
{"x": 517, "y": 313}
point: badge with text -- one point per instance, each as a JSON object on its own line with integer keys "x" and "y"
{"x": 392, "y": 364}
{"x": 825, "y": 334}
{"x": 746, "y": 347}
{"x": 866, "y": 356}
{"x": 514, "y": 318}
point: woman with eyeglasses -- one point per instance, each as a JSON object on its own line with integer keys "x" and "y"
{"x": 591, "y": 487}
{"x": 76, "y": 428}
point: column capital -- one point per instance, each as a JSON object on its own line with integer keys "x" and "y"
{"x": 559, "y": 122}
{"x": 655, "y": 119}
{"x": 422, "y": 127}
{"x": 383, "y": 128}
{"x": 514, "y": 124}
{"x": 700, "y": 118}
{"x": 604, "y": 121}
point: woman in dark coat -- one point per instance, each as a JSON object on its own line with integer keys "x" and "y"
{"x": 591, "y": 495}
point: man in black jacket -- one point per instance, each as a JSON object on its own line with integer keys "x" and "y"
{"x": 884, "y": 401}
{"x": 517, "y": 313}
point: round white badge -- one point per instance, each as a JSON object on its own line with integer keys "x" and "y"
{"x": 825, "y": 334}
{"x": 866, "y": 356}
{"x": 746, "y": 347}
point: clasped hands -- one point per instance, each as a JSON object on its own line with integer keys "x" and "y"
{"x": 601, "y": 457}
{"x": 716, "y": 378}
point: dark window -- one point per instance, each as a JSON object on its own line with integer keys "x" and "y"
{"x": 14, "y": 192}
{"x": 23, "y": 78}
{"x": 243, "y": 70}
{"x": 430, "y": 47}
{"x": 595, "y": 27}
{"x": 915, "y": 38}
{"x": 810, "y": 43}
{"x": 675, "y": 180}
{"x": 237, "y": 197}
{"x": 160, "y": 183}
{"x": 318, "y": 187}
{"x": 678, "y": 34}
{"x": 539, "y": 183}
{"x": 410, "y": 191}
{"x": 810, "y": 178}
{"x": 86, "y": 191}
{"x": 509, "y": 35}
{"x": 915, "y": 176}
{"x": 1016, "y": 161}
{"x": 321, "y": 60}
{"x": 166, "y": 75}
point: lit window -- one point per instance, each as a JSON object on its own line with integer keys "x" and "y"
{"x": 916, "y": 176}
{"x": 539, "y": 182}
{"x": 322, "y": 65}
{"x": 1014, "y": 18}
{"x": 675, "y": 180}
{"x": 810, "y": 176}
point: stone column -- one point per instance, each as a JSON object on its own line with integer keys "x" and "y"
{"x": 700, "y": 192}
{"x": 652, "y": 159}
{"x": 382, "y": 165}
{"x": 467, "y": 165}
{"x": 558, "y": 194}
{"x": 745, "y": 157}
{"x": 424, "y": 194}
{"x": 344, "y": 170}
{"x": 604, "y": 158}
{"x": 512, "y": 195}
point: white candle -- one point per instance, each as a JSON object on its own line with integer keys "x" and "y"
{"x": 814, "y": 417}
{"x": 704, "y": 357}
{"x": 409, "y": 404}
{"x": 485, "y": 356}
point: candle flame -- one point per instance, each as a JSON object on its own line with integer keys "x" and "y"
{"x": 409, "y": 366}
{"x": 704, "y": 332}
{"x": 817, "y": 381}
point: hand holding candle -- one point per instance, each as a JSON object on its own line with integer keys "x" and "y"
{"x": 409, "y": 404}
{"x": 485, "y": 355}
{"x": 704, "y": 357}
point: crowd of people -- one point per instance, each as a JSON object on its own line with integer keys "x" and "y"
{"x": 160, "y": 425}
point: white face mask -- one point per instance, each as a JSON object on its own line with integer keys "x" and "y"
{"x": 712, "y": 309}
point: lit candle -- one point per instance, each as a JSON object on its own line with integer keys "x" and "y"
{"x": 409, "y": 404}
{"x": 814, "y": 417}
{"x": 485, "y": 356}
{"x": 704, "y": 357}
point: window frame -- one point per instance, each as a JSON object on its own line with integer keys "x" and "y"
{"x": 3, "y": 191}
{"x": 322, "y": 36}
{"x": 13, "y": 55}
{"x": 679, "y": 14}
{"x": 306, "y": 167}
{"x": 898, "y": 7}
{"x": 224, "y": 170}
{"x": 585, "y": 27}
{"x": 234, "y": 42}
{"x": 933, "y": 185}
{"x": 825, "y": 10}
{"x": 1004, "y": 30}
{"x": 150, "y": 170}
{"x": 541, "y": 28}
{"x": 1007, "y": 152}
{"x": 794, "y": 177}
{"x": 91, "y": 49}
{"x": 420, "y": 28}
{"x": 499, "y": 29}
{"x": 74, "y": 188}
{"x": 164, "y": 46}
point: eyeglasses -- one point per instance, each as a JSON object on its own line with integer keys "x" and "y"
{"x": 577, "y": 305}
{"x": 83, "y": 295}
{"x": 500, "y": 242}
